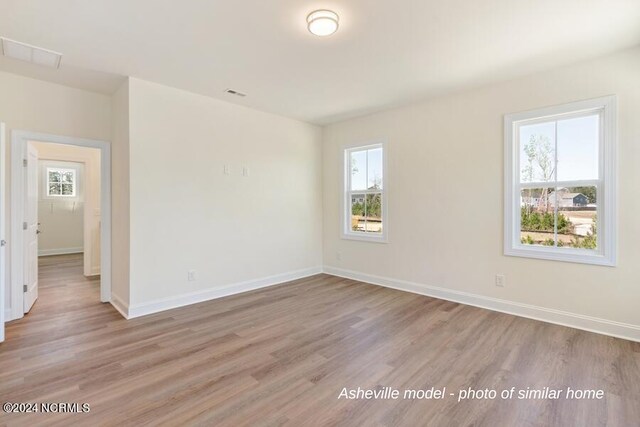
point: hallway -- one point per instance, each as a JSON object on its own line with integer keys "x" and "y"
{"x": 63, "y": 289}
{"x": 66, "y": 298}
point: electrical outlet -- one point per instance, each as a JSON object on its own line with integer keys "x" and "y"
{"x": 191, "y": 275}
{"x": 227, "y": 170}
{"x": 500, "y": 281}
{"x": 245, "y": 171}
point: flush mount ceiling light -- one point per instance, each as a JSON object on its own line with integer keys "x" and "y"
{"x": 322, "y": 22}
{"x": 29, "y": 53}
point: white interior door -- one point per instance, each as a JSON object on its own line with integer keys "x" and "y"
{"x": 31, "y": 230}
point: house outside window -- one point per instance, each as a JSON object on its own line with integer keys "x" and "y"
{"x": 560, "y": 183}
{"x": 364, "y": 213}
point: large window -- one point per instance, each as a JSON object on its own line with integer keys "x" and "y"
{"x": 364, "y": 213}
{"x": 560, "y": 182}
{"x": 61, "y": 182}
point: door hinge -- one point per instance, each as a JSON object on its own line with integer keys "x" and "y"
{"x": 24, "y": 162}
{"x": 24, "y": 288}
{"x": 24, "y": 225}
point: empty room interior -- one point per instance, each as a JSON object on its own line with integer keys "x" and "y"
{"x": 363, "y": 213}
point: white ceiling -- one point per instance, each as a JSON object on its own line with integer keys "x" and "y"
{"x": 386, "y": 52}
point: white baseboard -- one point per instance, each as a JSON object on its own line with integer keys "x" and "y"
{"x": 163, "y": 304}
{"x": 60, "y": 251}
{"x": 559, "y": 317}
{"x": 95, "y": 271}
{"x": 119, "y": 305}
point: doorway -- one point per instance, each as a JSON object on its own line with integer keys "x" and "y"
{"x": 57, "y": 184}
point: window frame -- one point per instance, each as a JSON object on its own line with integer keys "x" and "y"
{"x": 74, "y": 182}
{"x": 346, "y": 232}
{"x": 605, "y": 254}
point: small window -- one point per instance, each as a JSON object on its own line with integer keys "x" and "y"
{"x": 364, "y": 213}
{"x": 560, "y": 183}
{"x": 61, "y": 182}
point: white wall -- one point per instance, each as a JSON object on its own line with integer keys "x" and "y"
{"x": 186, "y": 214}
{"x": 445, "y": 190}
{"x": 38, "y": 106}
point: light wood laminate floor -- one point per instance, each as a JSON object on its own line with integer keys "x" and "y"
{"x": 281, "y": 356}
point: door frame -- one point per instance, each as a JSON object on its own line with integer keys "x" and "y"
{"x": 19, "y": 140}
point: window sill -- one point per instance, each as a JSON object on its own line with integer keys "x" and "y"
{"x": 564, "y": 255}
{"x": 365, "y": 238}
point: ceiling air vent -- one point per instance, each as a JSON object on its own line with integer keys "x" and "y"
{"x": 29, "y": 53}
{"x": 235, "y": 92}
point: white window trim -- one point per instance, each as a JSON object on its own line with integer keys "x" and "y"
{"x": 346, "y": 232}
{"x": 607, "y": 227}
{"x": 74, "y": 182}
